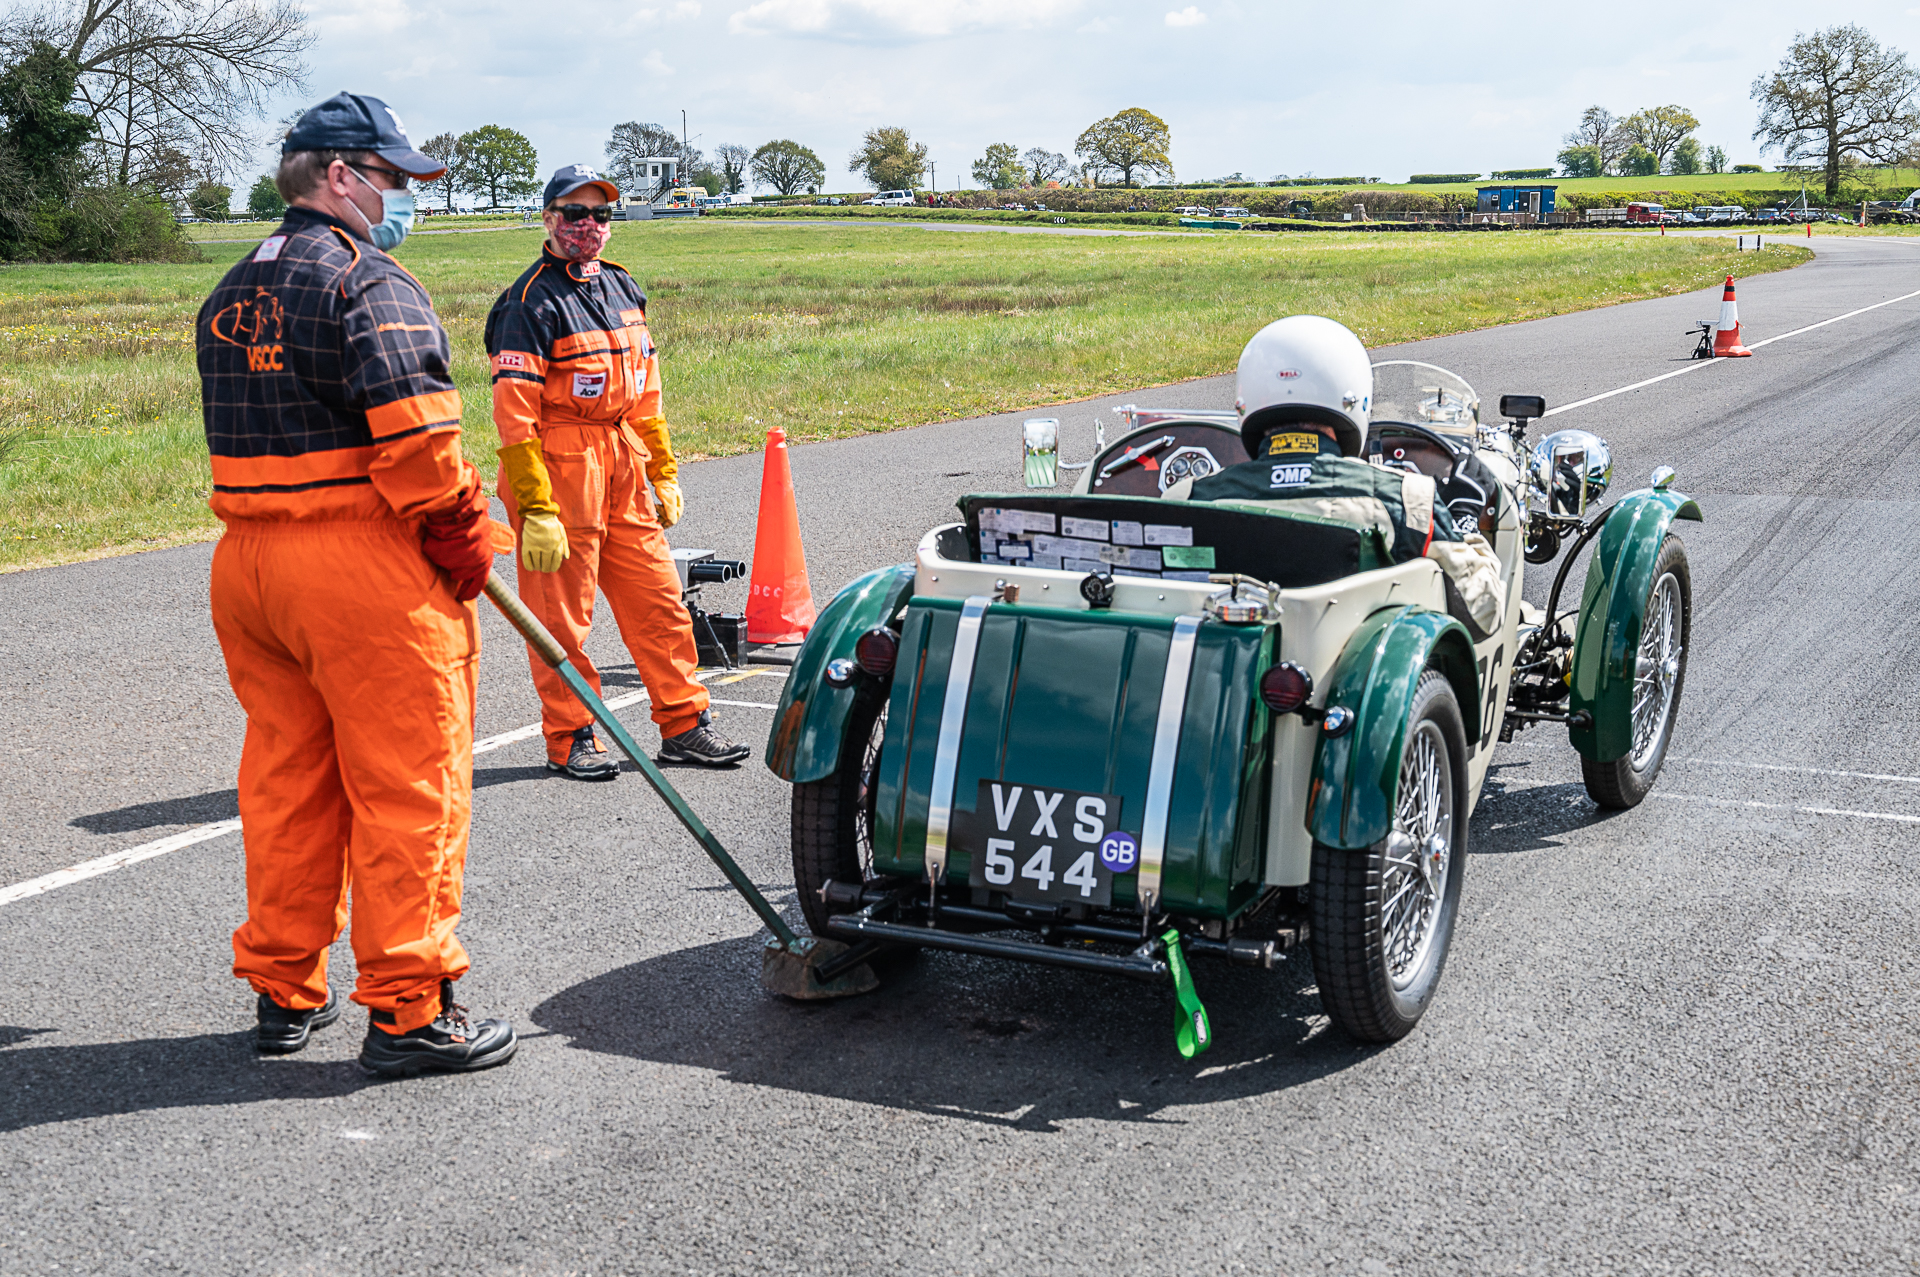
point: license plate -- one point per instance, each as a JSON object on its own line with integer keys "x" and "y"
{"x": 1042, "y": 845}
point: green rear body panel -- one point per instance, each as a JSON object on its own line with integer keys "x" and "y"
{"x": 1613, "y": 607}
{"x": 1071, "y": 699}
{"x": 811, "y": 720}
{"x": 1356, "y": 774}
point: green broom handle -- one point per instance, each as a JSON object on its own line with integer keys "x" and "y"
{"x": 553, "y": 654}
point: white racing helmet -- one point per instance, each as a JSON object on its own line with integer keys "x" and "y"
{"x": 1308, "y": 369}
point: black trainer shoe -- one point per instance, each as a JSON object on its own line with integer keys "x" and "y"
{"x": 586, "y": 760}
{"x": 451, "y": 1044}
{"x": 282, "y": 1032}
{"x": 701, "y": 744}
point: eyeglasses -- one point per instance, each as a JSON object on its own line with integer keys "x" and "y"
{"x": 399, "y": 178}
{"x": 601, "y": 213}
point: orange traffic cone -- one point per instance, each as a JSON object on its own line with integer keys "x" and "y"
{"x": 1726, "y": 337}
{"x": 779, "y": 600}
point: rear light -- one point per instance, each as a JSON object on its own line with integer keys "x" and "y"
{"x": 1285, "y": 687}
{"x": 876, "y": 649}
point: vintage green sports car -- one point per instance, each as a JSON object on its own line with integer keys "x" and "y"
{"x": 1112, "y": 729}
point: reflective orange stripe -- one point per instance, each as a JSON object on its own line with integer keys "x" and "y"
{"x": 291, "y": 474}
{"x": 415, "y": 414}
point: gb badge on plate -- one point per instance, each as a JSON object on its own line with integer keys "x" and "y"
{"x": 1047, "y": 846}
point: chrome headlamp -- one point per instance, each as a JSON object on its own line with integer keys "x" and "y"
{"x": 1568, "y": 470}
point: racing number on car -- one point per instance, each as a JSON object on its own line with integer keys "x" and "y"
{"x": 1040, "y": 844}
{"x": 1492, "y": 684}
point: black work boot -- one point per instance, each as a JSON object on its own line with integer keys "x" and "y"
{"x": 587, "y": 759}
{"x": 282, "y": 1032}
{"x": 451, "y": 1044}
{"x": 701, "y": 744}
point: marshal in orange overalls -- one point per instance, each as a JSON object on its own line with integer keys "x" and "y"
{"x": 576, "y": 391}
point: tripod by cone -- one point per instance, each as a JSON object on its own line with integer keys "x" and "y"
{"x": 1726, "y": 335}
{"x": 779, "y": 600}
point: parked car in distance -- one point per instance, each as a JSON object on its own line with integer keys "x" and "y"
{"x": 1191, "y": 210}
{"x": 831, "y": 201}
{"x": 891, "y": 199}
{"x": 1720, "y": 213}
{"x": 1770, "y": 215}
{"x": 1232, "y": 210}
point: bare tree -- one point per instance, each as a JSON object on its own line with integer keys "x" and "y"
{"x": 444, "y": 147}
{"x": 1045, "y": 166}
{"x": 1838, "y": 97}
{"x": 1599, "y": 130}
{"x": 159, "y": 76}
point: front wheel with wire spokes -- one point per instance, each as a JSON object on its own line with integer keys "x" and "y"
{"x": 1383, "y": 915}
{"x": 1659, "y": 674}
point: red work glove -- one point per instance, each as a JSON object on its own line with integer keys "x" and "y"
{"x": 459, "y": 540}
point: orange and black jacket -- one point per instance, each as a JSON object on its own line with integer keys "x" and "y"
{"x": 325, "y": 383}
{"x": 569, "y": 344}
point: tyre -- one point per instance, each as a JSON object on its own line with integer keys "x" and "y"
{"x": 833, "y": 818}
{"x": 1383, "y": 916}
{"x": 1659, "y": 674}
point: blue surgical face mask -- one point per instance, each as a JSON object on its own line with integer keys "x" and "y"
{"x": 387, "y": 233}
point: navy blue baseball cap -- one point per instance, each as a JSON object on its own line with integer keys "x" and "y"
{"x": 565, "y": 181}
{"x": 356, "y": 122}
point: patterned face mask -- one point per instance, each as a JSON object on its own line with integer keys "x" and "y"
{"x": 579, "y": 241}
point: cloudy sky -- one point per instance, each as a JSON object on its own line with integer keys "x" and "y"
{"x": 1387, "y": 89}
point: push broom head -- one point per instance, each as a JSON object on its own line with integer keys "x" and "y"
{"x": 794, "y": 971}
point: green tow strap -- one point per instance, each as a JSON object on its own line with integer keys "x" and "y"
{"x": 1190, "y": 1030}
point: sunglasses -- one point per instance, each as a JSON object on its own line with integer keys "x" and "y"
{"x": 399, "y": 178}
{"x": 602, "y": 213}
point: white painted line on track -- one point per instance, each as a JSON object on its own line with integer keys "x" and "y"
{"x": 1812, "y": 771}
{"x": 1808, "y": 811}
{"x": 1707, "y": 363}
{"x": 219, "y": 828}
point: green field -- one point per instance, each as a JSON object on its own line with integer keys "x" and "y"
{"x": 827, "y": 331}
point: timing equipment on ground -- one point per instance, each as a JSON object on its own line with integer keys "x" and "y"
{"x": 721, "y": 637}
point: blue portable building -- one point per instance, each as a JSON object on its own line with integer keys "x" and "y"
{"x": 1514, "y": 199}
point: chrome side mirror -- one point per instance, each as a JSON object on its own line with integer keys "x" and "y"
{"x": 1041, "y": 449}
{"x": 1099, "y": 433}
{"x": 1663, "y": 477}
{"x": 1568, "y": 470}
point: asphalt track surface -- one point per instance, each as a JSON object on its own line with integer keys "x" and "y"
{"x": 1676, "y": 1040}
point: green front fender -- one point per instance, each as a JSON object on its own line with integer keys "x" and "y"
{"x": 1356, "y": 774}
{"x": 1613, "y": 607}
{"x": 812, "y": 715}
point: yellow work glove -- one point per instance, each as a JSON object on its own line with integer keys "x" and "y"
{"x": 661, "y": 467}
{"x": 671, "y": 505}
{"x": 543, "y": 541}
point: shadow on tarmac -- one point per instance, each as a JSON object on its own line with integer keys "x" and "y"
{"x": 47, "y": 1084}
{"x": 998, "y": 1043}
{"x": 200, "y": 809}
{"x": 1514, "y": 818}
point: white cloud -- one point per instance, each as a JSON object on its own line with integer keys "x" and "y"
{"x": 1099, "y": 26}
{"x": 894, "y": 19}
{"x": 655, "y": 64}
{"x": 1187, "y": 17}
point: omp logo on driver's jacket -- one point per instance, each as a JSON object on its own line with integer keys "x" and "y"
{"x": 1291, "y": 476}
{"x": 257, "y": 324}
{"x": 1279, "y": 445}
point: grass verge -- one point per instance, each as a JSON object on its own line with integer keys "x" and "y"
{"x": 828, "y": 331}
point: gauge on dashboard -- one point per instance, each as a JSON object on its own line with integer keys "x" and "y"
{"x": 1187, "y": 463}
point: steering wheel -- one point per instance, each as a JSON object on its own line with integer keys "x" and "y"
{"x": 1404, "y": 445}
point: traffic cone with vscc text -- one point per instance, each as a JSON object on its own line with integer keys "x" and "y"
{"x": 1726, "y": 336}
{"x": 779, "y": 600}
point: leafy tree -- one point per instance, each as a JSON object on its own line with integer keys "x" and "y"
{"x": 1581, "y": 161}
{"x": 1686, "y": 157}
{"x": 634, "y": 143}
{"x": 444, "y": 147}
{"x": 889, "y": 158}
{"x": 1838, "y": 96}
{"x": 1134, "y": 140}
{"x": 498, "y": 163}
{"x": 999, "y": 169}
{"x": 733, "y": 161}
{"x": 210, "y": 201}
{"x": 45, "y": 139}
{"x": 264, "y": 201}
{"x": 1716, "y": 160}
{"x": 1638, "y": 162}
{"x": 787, "y": 166}
{"x": 1045, "y": 166}
{"x": 1659, "y": 129}
{"x": 1599, "y": 132}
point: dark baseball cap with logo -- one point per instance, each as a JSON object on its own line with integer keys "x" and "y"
{"x": 565, "y": 181}
{"x": 356, "y": 122}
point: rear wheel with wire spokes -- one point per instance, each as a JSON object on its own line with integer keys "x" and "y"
{"x": 1383, "y": 916}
